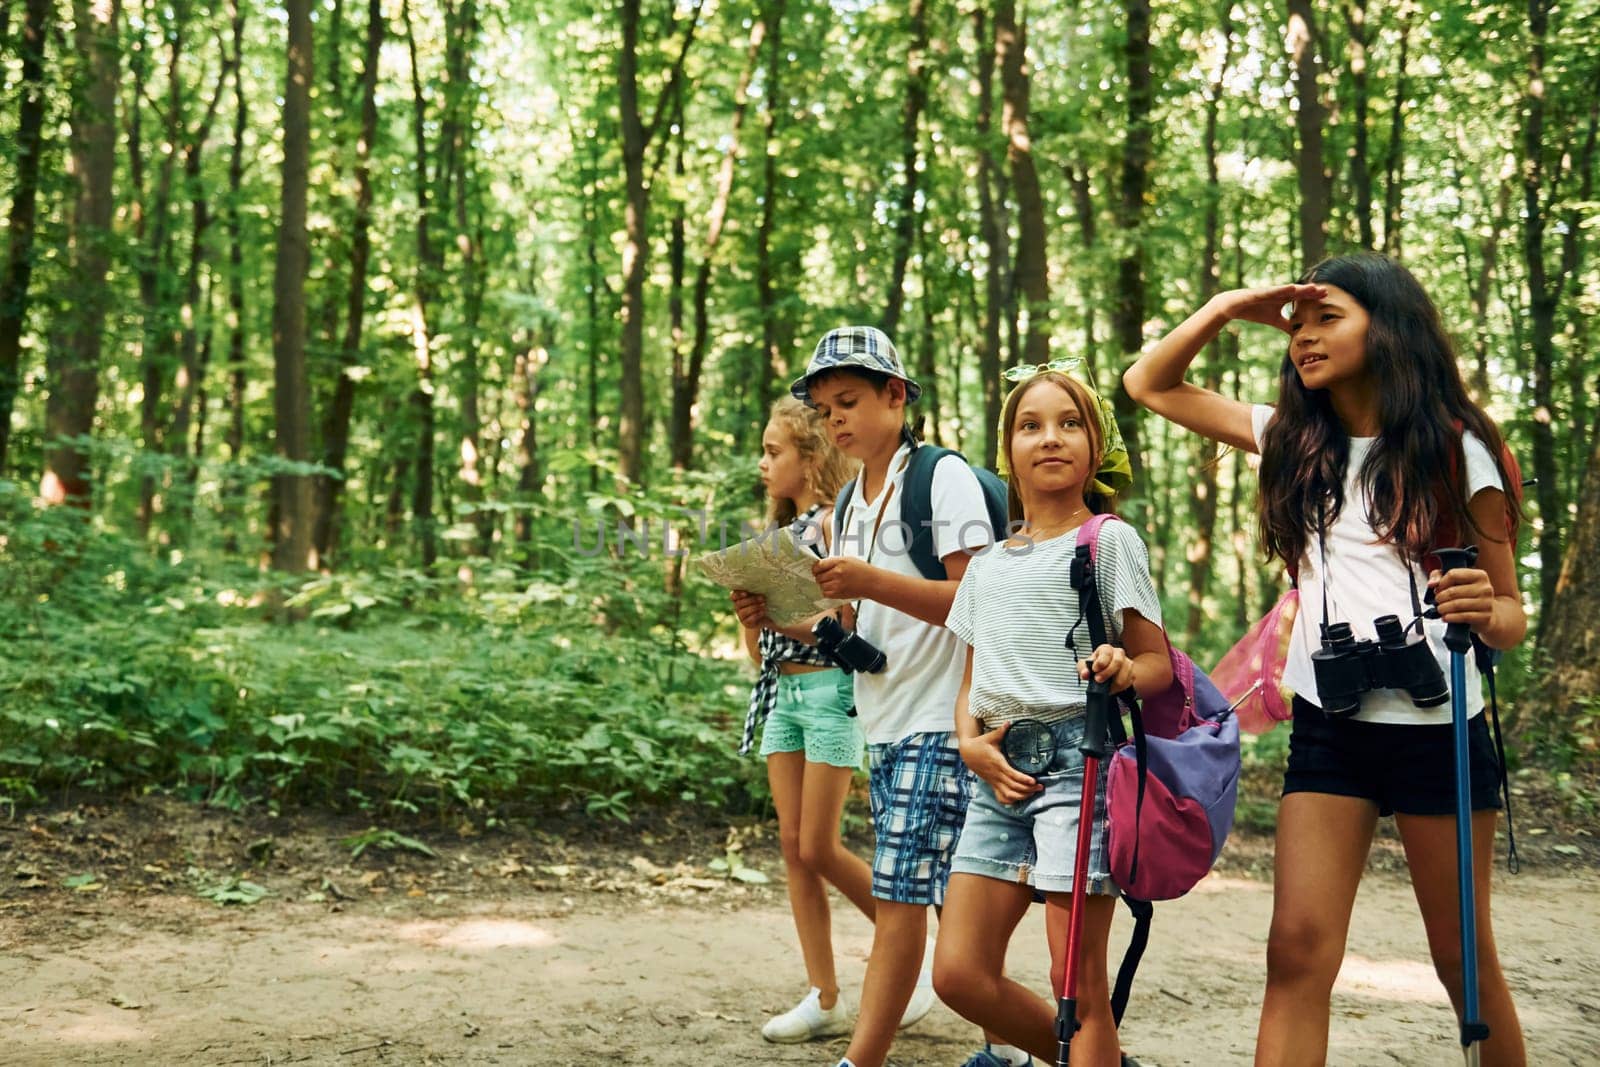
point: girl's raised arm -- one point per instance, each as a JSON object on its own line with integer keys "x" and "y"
{"x": 1156, "y": 379}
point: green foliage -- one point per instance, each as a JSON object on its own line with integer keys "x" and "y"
{"x": 384, "y": 841}
{"x": 402, "y": 692}
{"x": 229, "y": 890}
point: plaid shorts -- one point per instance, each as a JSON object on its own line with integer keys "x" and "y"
{"x": 920, "y": 789}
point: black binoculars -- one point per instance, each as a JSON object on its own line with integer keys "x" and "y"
{"x": 1345, "y": 668}
{"x": 849, "y": 650}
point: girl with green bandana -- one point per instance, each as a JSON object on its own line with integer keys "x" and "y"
{"x": 1064, "y": 461}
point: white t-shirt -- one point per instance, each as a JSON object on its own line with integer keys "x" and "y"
{"x": 1016, "y": 608}
{"x": 916, "y": 691}
{"x": 1365, "y": 580}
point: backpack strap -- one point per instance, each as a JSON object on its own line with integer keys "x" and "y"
{"x": 1142, "y": 911}
{"x": 1486, "y": 658}
{"x": 916, "y": 508}
{"x": 839, "y": 507}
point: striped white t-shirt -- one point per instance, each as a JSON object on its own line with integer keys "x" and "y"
{"x": 1016, "y": 607}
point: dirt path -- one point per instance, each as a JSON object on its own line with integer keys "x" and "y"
{"x": 480, "y": 956}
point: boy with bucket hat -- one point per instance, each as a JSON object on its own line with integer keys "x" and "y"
{"x": 919, "y": 785}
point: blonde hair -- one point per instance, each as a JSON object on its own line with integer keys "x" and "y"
{"x": 827, "y": 469}
{"x": 1088, "y": 411}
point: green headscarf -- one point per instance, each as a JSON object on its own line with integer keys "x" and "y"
{"x": 1115, "y": 473}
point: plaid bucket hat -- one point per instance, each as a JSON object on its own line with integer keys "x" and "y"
{"x": 865, "y": 347}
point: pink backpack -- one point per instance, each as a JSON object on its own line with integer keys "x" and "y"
{"x": 1171, "y": 789}
{"x": 1250, "y": 674}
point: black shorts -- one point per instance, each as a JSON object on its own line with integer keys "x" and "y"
{"x": 1400, "y": 767}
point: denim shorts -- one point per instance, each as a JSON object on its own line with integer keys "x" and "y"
{"x": 812, "y": 714}
{"x": 920, "y": 791}
{"x": 1035, "y": 841}
{"x": 1400, "y": 767}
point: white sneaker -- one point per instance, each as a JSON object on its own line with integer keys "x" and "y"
{"x": 922, "y": 998}
{"x": 807, "y": 1021}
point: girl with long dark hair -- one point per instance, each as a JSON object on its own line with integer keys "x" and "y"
{"x": 1372, "y": 450}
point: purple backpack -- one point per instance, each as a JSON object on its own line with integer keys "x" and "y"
{"x": 1170, "y": 790}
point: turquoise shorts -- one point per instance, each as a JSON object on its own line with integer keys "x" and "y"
{"x": 813, "y": 715}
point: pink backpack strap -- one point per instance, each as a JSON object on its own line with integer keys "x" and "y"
{"x": 1182, "y": 667}
{"x": 1091, "y": 530}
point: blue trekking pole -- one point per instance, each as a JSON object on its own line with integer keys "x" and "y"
{"x": 1458, "y": 639}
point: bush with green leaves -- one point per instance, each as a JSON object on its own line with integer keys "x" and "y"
{"x": 580, "y": 685}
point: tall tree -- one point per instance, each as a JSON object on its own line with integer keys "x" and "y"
{"x": 1571, "y": 631}
{"x": 20, "y": 221}
{"x": 1203, "y": 499}
{"x": 636, "y": 140}
{"x": 292, "y": 550}
{"x": 1355, "y": 18}
{"x": 429, "y": 271}
{"x": 1394, "y": 168}
{"x": 234, "y": 436}
{"x": 905, "y": 219}
{"x": 776, "y": 329}
{"x": 193, "y": 312}
{"x": 993, "y": 228}
{"x": 1127, "y": 315}
{"x": 1540, "y": 190}
{"x": 73, "y": 361}
{"x": 341, "y": 407}
{"x": 152, "y": 211}
{"x": 1316, "y": 192}
{"x": 1032, "y": 266}
{"x": 686, "y": 373}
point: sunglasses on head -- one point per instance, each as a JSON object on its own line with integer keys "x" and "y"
{"x": 1025, "y": 371}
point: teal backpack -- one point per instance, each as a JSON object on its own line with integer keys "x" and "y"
{"x": 916, "y": 506}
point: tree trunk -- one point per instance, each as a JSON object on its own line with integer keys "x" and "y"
{"x": 1395, "y": 171}
{"x": 677, "y": 266}
{"x": 461, "y": 28}
{"x": 636, "y": 139}
{"x": 20, "y": 221}
{"x": 686, "y": 389}
{"x": 428, "y": 272}
{"x": 292, "y": 550}
{"x": 927, "y": 416}
{"x": 336, "y": 423}
{"x": 591, "y": 242}
{"x": 1083, "y": 206}
{"x": 1570, "y": 620}
{"x": 1203, "y": 500}
{"x": 1128, "y": 309}
{"x": 636, "y": 246}
{"x": 992, "y": 227}
{"x": 905, "y": 222}
{"x": 530, "y": 361}
{"x": 1480, "y": 283}
{"x": 1315, "y": 185}
{"x": 73, "y": 361}
{"x": 152, "y": 225}
{"x": 776, "y": 333}
{"x": 233, "y": 493}
{"x": 1355, "y": 16}
{"x": 194, "y": 313}
{"x": 1032, "y": 267}
{"x": 1544, "y": 292}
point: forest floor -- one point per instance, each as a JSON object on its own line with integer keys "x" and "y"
{"x": 125, "y": 937}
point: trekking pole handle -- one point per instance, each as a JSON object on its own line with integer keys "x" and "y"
{"x": 1097, "y": 720}
{"x": 1457, "y": 636}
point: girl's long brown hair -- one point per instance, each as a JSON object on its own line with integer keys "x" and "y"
{"x": 1088, "y": 411}
{"x": 827, "y": 469}
{"x": 1423, "y": 409}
